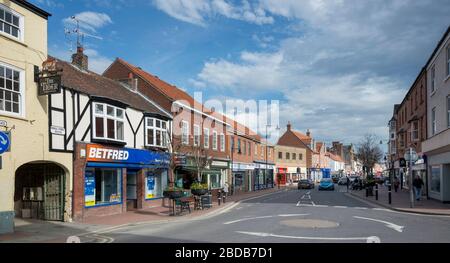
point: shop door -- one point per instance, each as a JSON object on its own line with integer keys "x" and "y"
{"x": 131, "y": 190}
{"x": 53, "y": 197}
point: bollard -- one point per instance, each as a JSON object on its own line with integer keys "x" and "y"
{"x": 376, "y": 192}
{"x": 390, "y": 197}
{"x": 219, "y": 197}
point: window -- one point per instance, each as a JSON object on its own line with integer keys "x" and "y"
{"x": 102, "y": 186}
{"x": 300, "y": 156}
{"x": 232, "y": 144}
{"x": 249, "y": 149}
{"x": 244, "y": 146}
{"x": 433, "y": 75}
{"x": 157, "y": 131}
{"x": 185, "y": 132}
{"x": 436, "y": 179}
{"x": 287, "y": 156}
{"x": 448, "y": 111}
{"x": 214, "y": 142}
{"x": 280, "y": 155}
{"x": 196, "y": 135}
{"x": 214, "y": 181}
{"x": 294, "y": 156}
{"x": 156, "y": 181}
{"x": 206, "y": 138}
{"x": 11, "y": 90}
{"x": 109, "y": 122}
{"x": 415, "y": 130}
{"x": 433, "y": 121}
{"x": 11, "y": 23}
{"x": 239, "y": 146}
{"x": 402, "y": 140}
{"x": 262, "y": 151}
{"x": 222, "y": 142}
{"x": 256, "y": 150}
{"x": 448, "y": 60}
{"x": 270, "y": 152}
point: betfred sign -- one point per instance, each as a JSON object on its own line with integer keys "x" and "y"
{"x": 98, "y": 153}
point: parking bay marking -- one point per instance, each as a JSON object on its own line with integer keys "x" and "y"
{"x": 388, "y": 224}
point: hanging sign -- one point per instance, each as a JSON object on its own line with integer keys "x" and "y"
{"x": 49, "y": 85}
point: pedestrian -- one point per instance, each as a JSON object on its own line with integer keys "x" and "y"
{"x": 396, "y": 184}
{"x": 418, "y": 183}
{"x": 225, "y": 189}
{"x": 348, "y": 182}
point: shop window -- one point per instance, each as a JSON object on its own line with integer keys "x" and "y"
{"x": 436, "y": 179}
{"x": 156, "y": 181}
{"x": 157, "y": 132}
{"x": 109, "y": 122}
{"x": 102, "y": 186}
{"x": 11, "y": 90}
{"x": 214, "y": 180}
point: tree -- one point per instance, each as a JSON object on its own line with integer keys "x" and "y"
{"x": 201, "y": 158}
{"x": 368, "y": 151}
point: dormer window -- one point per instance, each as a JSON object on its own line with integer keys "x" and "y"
{"x": 156, "y": 132}
{"x": 11, "y": 23}
{"x": 108, "y": 122}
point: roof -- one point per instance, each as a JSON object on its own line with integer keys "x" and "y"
{"x": 32, "y": 8}
{"x": 303, "y": 137}
{"x": 438, "y": 45}
{"x": 335, "y": 157}
{"x": 319, "y": 146}
{"x": 93, "y": 84}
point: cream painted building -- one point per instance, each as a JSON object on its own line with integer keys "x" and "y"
{"x": 34, "y": 182}
{"x": 292, "y": 160}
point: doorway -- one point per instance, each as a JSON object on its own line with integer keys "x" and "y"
{"x": 132, "y": 189}
{"x": 39, "y": 191}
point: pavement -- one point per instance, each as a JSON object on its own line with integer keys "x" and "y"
{"x": 400, "y": 201}
{"x": 32, "y": 230}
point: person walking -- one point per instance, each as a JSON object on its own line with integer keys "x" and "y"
{"x": 418, "y": 183}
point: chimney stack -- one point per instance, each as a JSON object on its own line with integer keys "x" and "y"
{"x": 79, "y": 59}
{"x": 289, "y": 126}
{"x": 308, "y": 133}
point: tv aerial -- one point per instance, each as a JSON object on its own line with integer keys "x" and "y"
{"x": 80, "y": 35}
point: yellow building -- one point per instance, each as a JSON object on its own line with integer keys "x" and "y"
{"x": 292, "y": 161}
{"x": 34, "y": 182}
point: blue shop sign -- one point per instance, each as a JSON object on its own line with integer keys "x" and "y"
{"x": 100, "y": 153}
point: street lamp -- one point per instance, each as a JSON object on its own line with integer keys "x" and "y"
{"x": 267, "y": 150}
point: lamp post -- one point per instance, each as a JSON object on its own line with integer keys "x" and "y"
{"x": 267, "y": 150}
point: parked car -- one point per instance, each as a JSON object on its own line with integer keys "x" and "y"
{"x": 342, "y": 181}
{"x": 305, "y": 184}
{"x": 326, "y": 184}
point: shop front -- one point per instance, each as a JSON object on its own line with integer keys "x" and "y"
{"x": 281, "y": 175}
{"x": 263, "y": 176}
{"x": 242, "y": 177}
{"x": 420, "y": 169}
{"x": 110, "y": 180}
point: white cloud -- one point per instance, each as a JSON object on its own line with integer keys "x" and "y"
{"x": 197, "y": 11}
{"x": 90, "y": 21}
{"x": 345, "y": 68}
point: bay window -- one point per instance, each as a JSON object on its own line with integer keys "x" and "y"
{"x": 156, "y": 132}
{"x": 108, "y": 122}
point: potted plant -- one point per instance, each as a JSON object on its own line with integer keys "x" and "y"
{"x": 173, "y": 192}
{"x": 199, "y": 189}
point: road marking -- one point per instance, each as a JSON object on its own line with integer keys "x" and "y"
{"x": 320, "y": 206}
{"x": 362, "y": 208}
{"x": 340, "y": 206}
{"x": 370, "y": 239}
{"x": 246, "y": 219}
{"x": 298, "y": 204}
{"x": 381, "y": 209}
{"x": 288, "y": 215}
{"x": 388, "y": 224}
{"x": 313, "y": 203}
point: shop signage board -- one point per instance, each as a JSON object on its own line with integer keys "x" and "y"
{"x": 89, "y": 189}
{"x": 4, "y": 142}
{"x": 100, "y": 153}
{"x": 150, "y": 186}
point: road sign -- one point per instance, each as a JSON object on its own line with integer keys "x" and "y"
{"x": 411, "y": 155}
{"x": 3, "y": 123}
{"x": 4, "y": 142}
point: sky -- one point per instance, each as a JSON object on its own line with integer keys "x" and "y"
{"x": 335, "y": 67}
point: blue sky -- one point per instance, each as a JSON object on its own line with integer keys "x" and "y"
{"x": 337, "y": 67}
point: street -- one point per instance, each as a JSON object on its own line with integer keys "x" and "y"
{"x": 292, "y": 216}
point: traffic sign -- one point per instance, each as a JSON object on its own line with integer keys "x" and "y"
{"x": 411, "y": 155}
{"x": 4, "y": 142}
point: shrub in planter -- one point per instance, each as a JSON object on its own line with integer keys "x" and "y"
{"x": 199, "y": 189}
{"x": 173, "y": 192}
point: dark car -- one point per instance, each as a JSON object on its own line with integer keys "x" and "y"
{"x": 305, "y": 184}
{"x": 326, "y": 184}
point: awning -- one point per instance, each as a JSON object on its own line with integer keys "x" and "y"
{"x": 125, "y": 165}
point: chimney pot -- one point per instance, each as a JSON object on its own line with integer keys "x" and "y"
{"x": 289, "y": 126}
{"x": 308, "y": 133}
{"x": 79, "y": 59}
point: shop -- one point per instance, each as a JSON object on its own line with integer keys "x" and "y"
{"x": 111, "y": 180}
{"x": 281, "y": 175}
{"x": 214, "y": 176}
{"x": 263, "y": 176}
{"x": 439, "y": 176}
{"x": 420, "y": 169}
{"x": 242, "y": 177}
